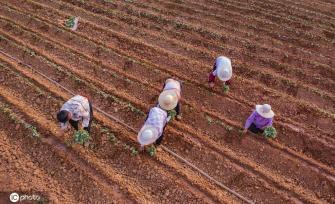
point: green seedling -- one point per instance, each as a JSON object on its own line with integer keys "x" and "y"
{"x": 172, "y": 113}
{"x": 209, "y": 120}
{"x": 270, "y": 132}
{"x": 81, "y": 137}
{"x": 70, "y": 22}
{"x": 152, "y": 150}
{"x": 229, "y": 128}
{"x": 225, "y": 89}
{"x": 240, "y": 132}
{"x": 111, "y": 137}
{"x": 134, "y": 152}
{"x": 103, "y": 130}
{"x": 126, "y": 147}
{"x": 134, "y": 109}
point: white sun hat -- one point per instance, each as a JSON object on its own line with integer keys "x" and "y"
{"x": 224, "y": 69}
{"x": 265, "y": 111}
{"x": 147, "y": 135}
{"x": 168, "y": 99}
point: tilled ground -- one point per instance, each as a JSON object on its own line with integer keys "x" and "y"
{"x": 120, "y": 56}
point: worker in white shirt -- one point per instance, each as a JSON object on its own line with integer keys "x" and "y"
{"x": 76, "y": 109}
{"x": 153, "y": 128}
{"x": 169, "y": 99}
{"x": 222, "y": 69}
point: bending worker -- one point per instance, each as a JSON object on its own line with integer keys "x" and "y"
{"x": 153, "y": 128}
{"x": 260, "y": 119}
{"x": 222, "y": 69}
{"x": 77, "y": 109}
{"x": 169, "y": 99}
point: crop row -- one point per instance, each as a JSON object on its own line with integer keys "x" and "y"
{"x": 235, "y": 22}
{"x": 117, "y": 155}
{"x": 103, "y": 73}
{"x": 278, "y": 67}
{"x": 180, "y": 144}
{"x": 180, "y": 26}
{"x": 69, "y": 181}
{"x": 298, "y": 43}
{"x": 282, "y": 13}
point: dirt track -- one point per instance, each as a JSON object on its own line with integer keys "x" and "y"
{"x": 120, "y": 56}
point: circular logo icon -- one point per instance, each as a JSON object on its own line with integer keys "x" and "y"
{"x": 14, "y": 197}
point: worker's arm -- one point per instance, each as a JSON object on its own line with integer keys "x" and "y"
{"x": 178, "y": 111}
{"x": 269, "y": 124}
{"x": 249, "y": 121}
{"x": 86, "y": 117}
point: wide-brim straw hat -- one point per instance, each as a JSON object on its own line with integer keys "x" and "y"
{"x": 168, "y": 99}
{"x": 147, "y": 135}
{"x": 265, "y": 111}
{"x": 226, "y": 72}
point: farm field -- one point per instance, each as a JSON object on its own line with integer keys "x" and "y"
{"x": 282, "y": 53}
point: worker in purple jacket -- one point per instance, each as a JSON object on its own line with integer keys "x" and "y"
{"x": 260, "y": 119}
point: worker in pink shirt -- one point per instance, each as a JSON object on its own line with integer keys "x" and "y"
{"x": 260, "y": 119}
{"x": 222, "y": 69}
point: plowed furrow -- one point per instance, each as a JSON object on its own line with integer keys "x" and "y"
{"x": 204, "y": 119}
{"x": 301, "y": 45}
{"x": 94, "y": 8}
{"x": 179, "y": 28}
{"x": 300, "y": 91}
{"x": 77, "y": 173}
{"x": 258, "y": 195}
{"x": 244, "y": 90}
{"x": 290, "y": 16}
{"x": 20, "y": 170}
{"x": 206, "y": 158}
{"x": 236, "y": 22}
{"x": 207, "y": 13}
{"x": 229, "y": 39}
{"x": 136, "y": 173}
{"x": 206, "y": 56}
{"x": 304, "y": 9}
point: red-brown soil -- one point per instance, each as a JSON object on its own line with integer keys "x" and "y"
{"x": 120, "y": 56}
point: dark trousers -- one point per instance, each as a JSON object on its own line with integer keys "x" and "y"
{"x": 75, "y": 125}
{"x": 254, "y": 129}
{"x": 160, "y": 139}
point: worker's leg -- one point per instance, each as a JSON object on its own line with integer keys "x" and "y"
{"x": 211, "y": 77}
{"x": 178, "y": 108}
{"x": 228, "y": 82}
{"x": 88, "y": 129}
{"x": 254, "y": 129}
{"x": 74, "y": 124}
{"x": 159, "y": 140}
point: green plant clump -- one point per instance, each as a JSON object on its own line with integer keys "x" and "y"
{"x": 134, "y": 152}
{"x": 225, "y": 88}
{"x": 270, "y": 132}
{"x": 152, "y": 150}
{"x": 70, "y": 22}
{"x": 81, "y": 136}
{"x": 172, "y": 113}
{"x": 229, "y": 128}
